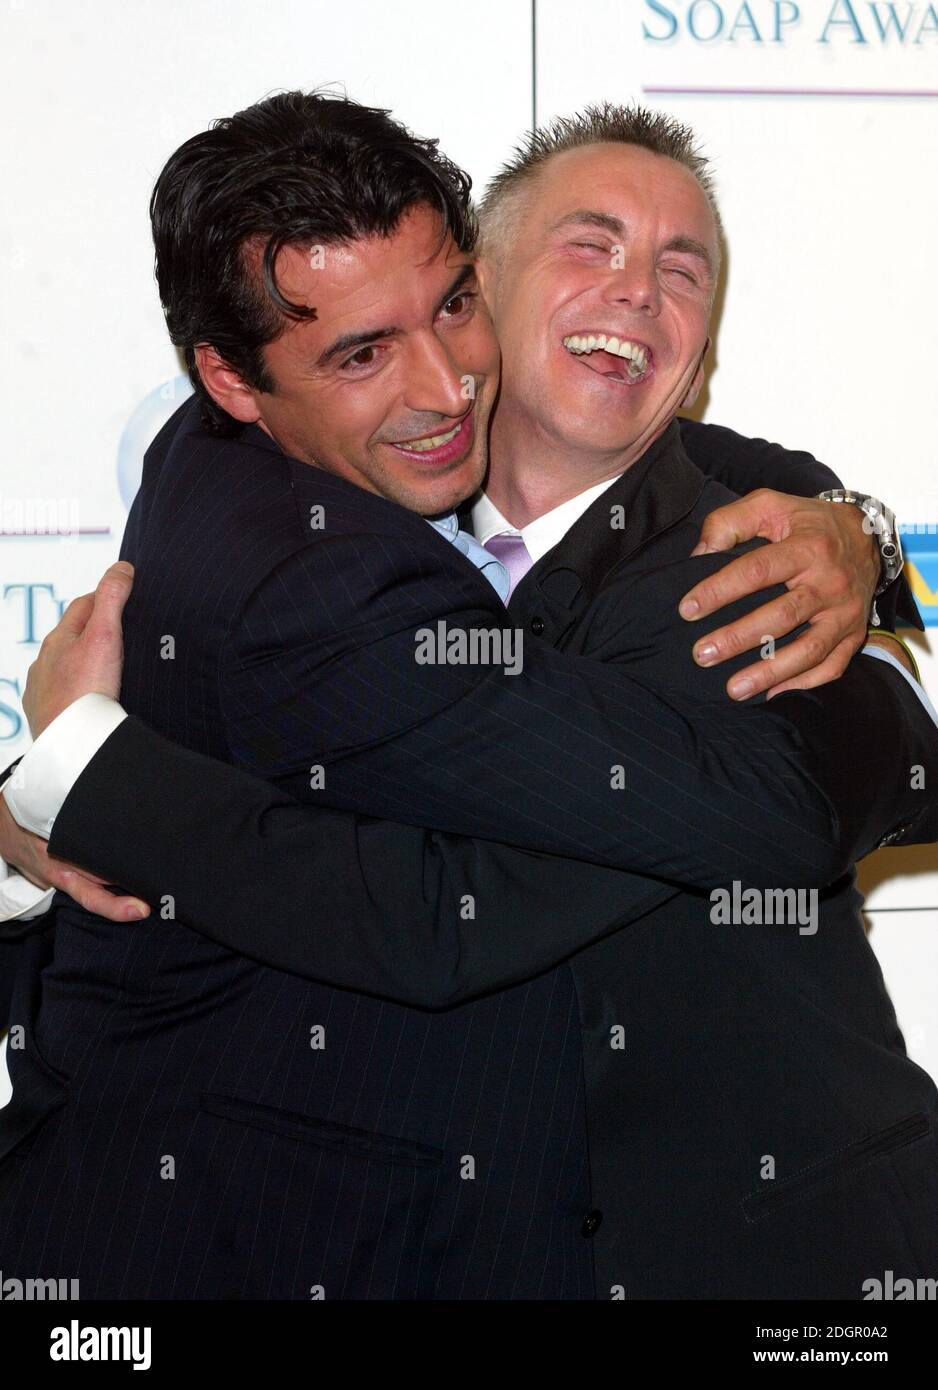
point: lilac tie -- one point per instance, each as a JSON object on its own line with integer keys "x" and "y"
{"x": 513, "y": 554}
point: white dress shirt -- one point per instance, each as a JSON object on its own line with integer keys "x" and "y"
{"x": 545, "y": 531}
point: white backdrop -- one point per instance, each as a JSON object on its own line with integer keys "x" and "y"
{"x": 822, "y": 121}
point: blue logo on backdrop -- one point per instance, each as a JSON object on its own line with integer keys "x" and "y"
{"x": 921, "y": 563}
{"x": 909, "y": 24}
{"x": 39, "y": 605}
{"x": 142, "y": 428}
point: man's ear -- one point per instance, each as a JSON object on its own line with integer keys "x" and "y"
{"x": 693, "y": 391}
{"x": 225, "y": 386}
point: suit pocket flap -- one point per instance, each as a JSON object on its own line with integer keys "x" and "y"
{"x": 323, "y": 1134}
{"x": 850, "y": 1159}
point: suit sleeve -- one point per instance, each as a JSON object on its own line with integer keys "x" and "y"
{"x": 567, "y": 756}
{"x": 744, "y": 464}
{"x": 431, "y": 918}
{"x": 416, "y": 916}
{"x": 871, "y": 742}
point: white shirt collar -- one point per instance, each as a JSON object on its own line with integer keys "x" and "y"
{"x": 544, "y": 532}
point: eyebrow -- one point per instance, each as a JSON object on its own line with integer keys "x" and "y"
{"x": 375, "y": 335}
{"x": 692, "y": 247}
{"x": 591, "y": 217}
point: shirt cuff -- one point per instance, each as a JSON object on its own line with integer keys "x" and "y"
{"x": 37, "y": 790}
{"x": 20, "y": 899}
{"x": 888, "y": 657}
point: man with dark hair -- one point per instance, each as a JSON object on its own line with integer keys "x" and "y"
{"x": 274, "y": 1134}
{"x": 294, "y": 171}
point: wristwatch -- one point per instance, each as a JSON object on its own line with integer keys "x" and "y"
{"x": 880, "y": 522}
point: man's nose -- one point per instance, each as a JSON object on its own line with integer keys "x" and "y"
{"x": 635, "y": 284}
{"x": 435, "y": 384}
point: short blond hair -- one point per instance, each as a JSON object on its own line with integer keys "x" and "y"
{"x": 607, "y": 123}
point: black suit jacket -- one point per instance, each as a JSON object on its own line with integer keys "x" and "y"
{"x": 251, "y": 691}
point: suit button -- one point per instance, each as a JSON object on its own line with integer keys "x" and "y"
{"x": 537, "y": 626}
{"x": 592, "y": 1223}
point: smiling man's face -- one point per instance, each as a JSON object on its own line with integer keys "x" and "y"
{"x": 609, "y": 243}
{"x": 391, "y": 384}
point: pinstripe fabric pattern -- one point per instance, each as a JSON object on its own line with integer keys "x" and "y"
{"x": 347, "y": 1166}
{"x": 211, "y": 1128}
{"x": 294, "y": 1167}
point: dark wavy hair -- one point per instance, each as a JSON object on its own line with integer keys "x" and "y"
{"x": 300, "y": 168}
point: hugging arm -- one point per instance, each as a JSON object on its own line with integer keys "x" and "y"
{"x": 431, "y": 917}
{"x": 830, "y": 565}
{"x": 413, "y": 915}
{"x": 742, "y": 464}
{"x": 569, "y": 755}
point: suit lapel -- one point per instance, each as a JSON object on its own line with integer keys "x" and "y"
{"x": 657, "y": 492}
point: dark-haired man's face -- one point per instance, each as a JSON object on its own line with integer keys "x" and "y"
{"x": 616, "y": 245}
{"x": 392, "y": 383}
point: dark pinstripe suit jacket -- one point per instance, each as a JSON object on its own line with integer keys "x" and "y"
{"x": 200, "y": 1125}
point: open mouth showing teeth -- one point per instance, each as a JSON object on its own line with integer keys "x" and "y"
{"x": 422, "y": 446}
{"x": 635, "y": 357}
